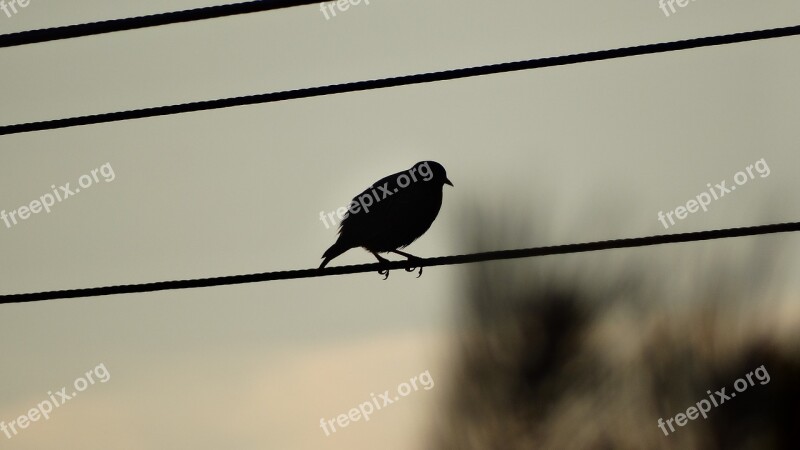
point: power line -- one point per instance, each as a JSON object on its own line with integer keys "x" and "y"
{"x": 134, "y": 23}
{"x": 425, "y": 262}
{"x": 401, "y": 80}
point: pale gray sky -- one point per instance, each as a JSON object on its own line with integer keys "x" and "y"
{"x": 593, "y": 151}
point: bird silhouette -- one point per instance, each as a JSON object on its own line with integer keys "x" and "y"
{"x": 392, "y": 213}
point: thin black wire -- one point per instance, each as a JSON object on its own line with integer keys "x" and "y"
{"x": 134, "y": 23}
{"x": 401, "y": 80}
{"x": 425, "y": 262}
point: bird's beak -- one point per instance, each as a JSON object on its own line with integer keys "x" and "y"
{"x": 447, "y": 181}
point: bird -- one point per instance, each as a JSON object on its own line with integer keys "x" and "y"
{"x": 392, "y": 213}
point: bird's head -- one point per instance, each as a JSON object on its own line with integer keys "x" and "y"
{"x": 432, "y": 171}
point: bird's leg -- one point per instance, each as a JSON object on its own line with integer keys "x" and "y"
{"x": 382, "y": 260}
{"x": 410, "y": 258}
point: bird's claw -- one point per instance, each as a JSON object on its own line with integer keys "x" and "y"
{"x": 411, "y": 258}
{"x": 411, "y": 269}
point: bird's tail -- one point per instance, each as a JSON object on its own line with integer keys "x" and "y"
{"x": 335, "y": 250}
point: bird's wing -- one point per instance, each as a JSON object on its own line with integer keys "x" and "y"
{"x": 384, "y": 211}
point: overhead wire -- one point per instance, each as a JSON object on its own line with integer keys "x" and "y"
{"x": 135, "y": 23}
{"x": 73, "y": 31}
{"x": 404, "y": 80}
{"x": 407, "y": 264}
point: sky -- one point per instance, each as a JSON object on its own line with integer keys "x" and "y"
{"x": 590, "y": 151}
